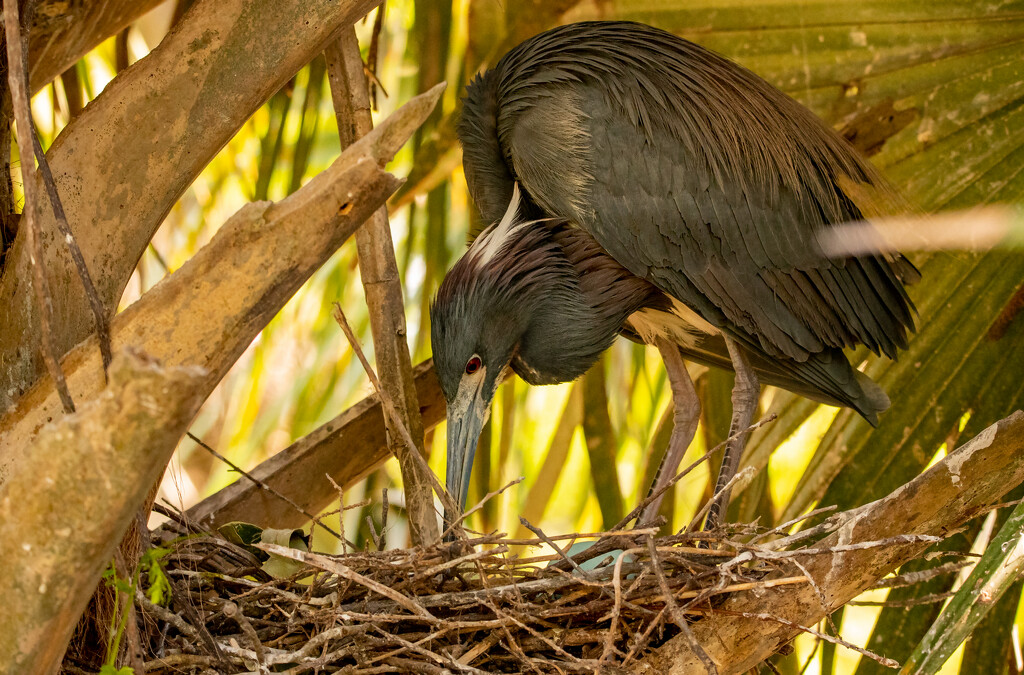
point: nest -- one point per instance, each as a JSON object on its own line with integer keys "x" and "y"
{"x": 477, "y": 605}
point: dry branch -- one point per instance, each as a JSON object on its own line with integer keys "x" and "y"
{"x": 40, "y": 299}
{"x": 383, "y": 289}
{"x": 208, "y": 311}
{"x": 71, "y": 497}
{"x": 63, "y": 32}
{"x": 122, "y": 163}
{"x": 954, "y": 490}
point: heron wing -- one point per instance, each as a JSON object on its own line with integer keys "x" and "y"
{"x": 735, "y": 244}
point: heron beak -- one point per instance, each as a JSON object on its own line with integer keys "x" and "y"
{"x": 466, "y": 418}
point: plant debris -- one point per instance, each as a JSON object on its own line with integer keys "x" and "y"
{"x": 485, "y": 604}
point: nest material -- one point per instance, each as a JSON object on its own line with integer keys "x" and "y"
{"x": 472, "y": 606}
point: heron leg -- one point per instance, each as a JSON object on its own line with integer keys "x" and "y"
{"x": 745, "y": 393}
{"x": 685, "y": 415}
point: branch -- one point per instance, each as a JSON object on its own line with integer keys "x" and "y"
{"x": 208, "y": 311}
{"x": 63, "y": 32}
{"x": 126, "y": 159}
{"x": 951, "y": 492}
{"x": 70, "y": 498}
{"x": 43, "y": 305}
{"x": 383, "y": 289}
{"x": 347, "y": 448}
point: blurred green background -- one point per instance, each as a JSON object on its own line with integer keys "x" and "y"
{"x": 932, "y": 90}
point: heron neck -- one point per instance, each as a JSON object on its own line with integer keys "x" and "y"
{"x": 576, "y": 320}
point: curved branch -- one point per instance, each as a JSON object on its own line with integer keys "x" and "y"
{"x": 70, "y": 499}
{"x": 121, "y": 165}
{"x": 209, "y": 310}
{"x": 953, "y": 491}
{"x": 63, "y": 32}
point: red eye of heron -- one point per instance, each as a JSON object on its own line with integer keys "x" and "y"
{"x": 473, "y": 365}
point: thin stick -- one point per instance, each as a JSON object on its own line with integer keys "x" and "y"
{"x": 389, "y": 409}
{"x": 267, "y": 488}
{"x": 779, "y": 529}
{"x": 18, "y": 81}
{"x": 887, "y": 662}
{"x": 384, "y": 505}
{"x": 543, "y": 537}
{"x": 371, "y": 56}
{"x": 383, "y": 291}
{"x": 479, "y": 505}
{"x": 233, "y": 611}
{"x": 341, "y": 513}
{"x": 674, "y": 612}
{"x": 99, "y": 313}
{"x": 609, "y": 639}
{"x": 330, "y": 565}
{"x": 598, "y": 535}
{"x": 724, "y": 491}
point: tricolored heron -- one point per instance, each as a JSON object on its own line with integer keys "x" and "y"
{"x": 637, "y": 183}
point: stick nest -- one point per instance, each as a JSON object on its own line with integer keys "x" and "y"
{"x": 478, "y": 605}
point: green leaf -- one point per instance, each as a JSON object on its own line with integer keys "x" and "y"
{"x": 990, "y": 647}
{"x": 107, "y": 669}
{"x": 159, "y": 585}
{"x": 994, "y": 574}
{"x": 280, "y": 567}
{"x": 899, "y": 628}
{"x": 947, "y": 371}
{"x": 601, "y": 445}
{"x": 245, "y": 535}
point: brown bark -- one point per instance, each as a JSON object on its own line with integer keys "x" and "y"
{"x": 939, "y": 500}
{"x": 208, "y": 311}
{"x": 383, "y": 289}
{"x": 122, "y": 163}
{"x": 70, "y": 499}
{"x": 63, "y": 32}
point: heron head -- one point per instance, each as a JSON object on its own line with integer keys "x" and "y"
{"x": 486, "y": 304}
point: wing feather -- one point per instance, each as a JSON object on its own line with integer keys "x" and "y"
{"x": 699, "y": 177}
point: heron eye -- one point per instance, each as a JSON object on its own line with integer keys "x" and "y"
{"x": 473, "y": 365}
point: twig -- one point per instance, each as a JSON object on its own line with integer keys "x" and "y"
{"x": 480, "y": 504}
{"x": 887, "y": 662}
{"x": 18, "y": 81}
{"x": 912, "y": 578}
{"x": 371, "y": 56}
{"x": 99, "y": 314}
{"x": 543, "y": 537}
{"x": 267, "y": 488}
{"x": 389, "y": 409}
{"x": 822, "y": 600}
{"x": 232, "y": 611}
{"x": 165, "y": 615}
{"x": 500, "y": 613}
{"x": 726, "y": 489}
{"x": 609, "y": 640}
{"x": 383, "y": 519}
{"x": 373, "y": 532}
{"x": 341, "y": 513}
{"x": 790, "y": 523}
{"x": 674, "y": 612}
{"x": 910, "y": 602}
{"x": 384, "y": 297}
{"x": 330, "y": 565}
{"x": 480, "y": 648}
